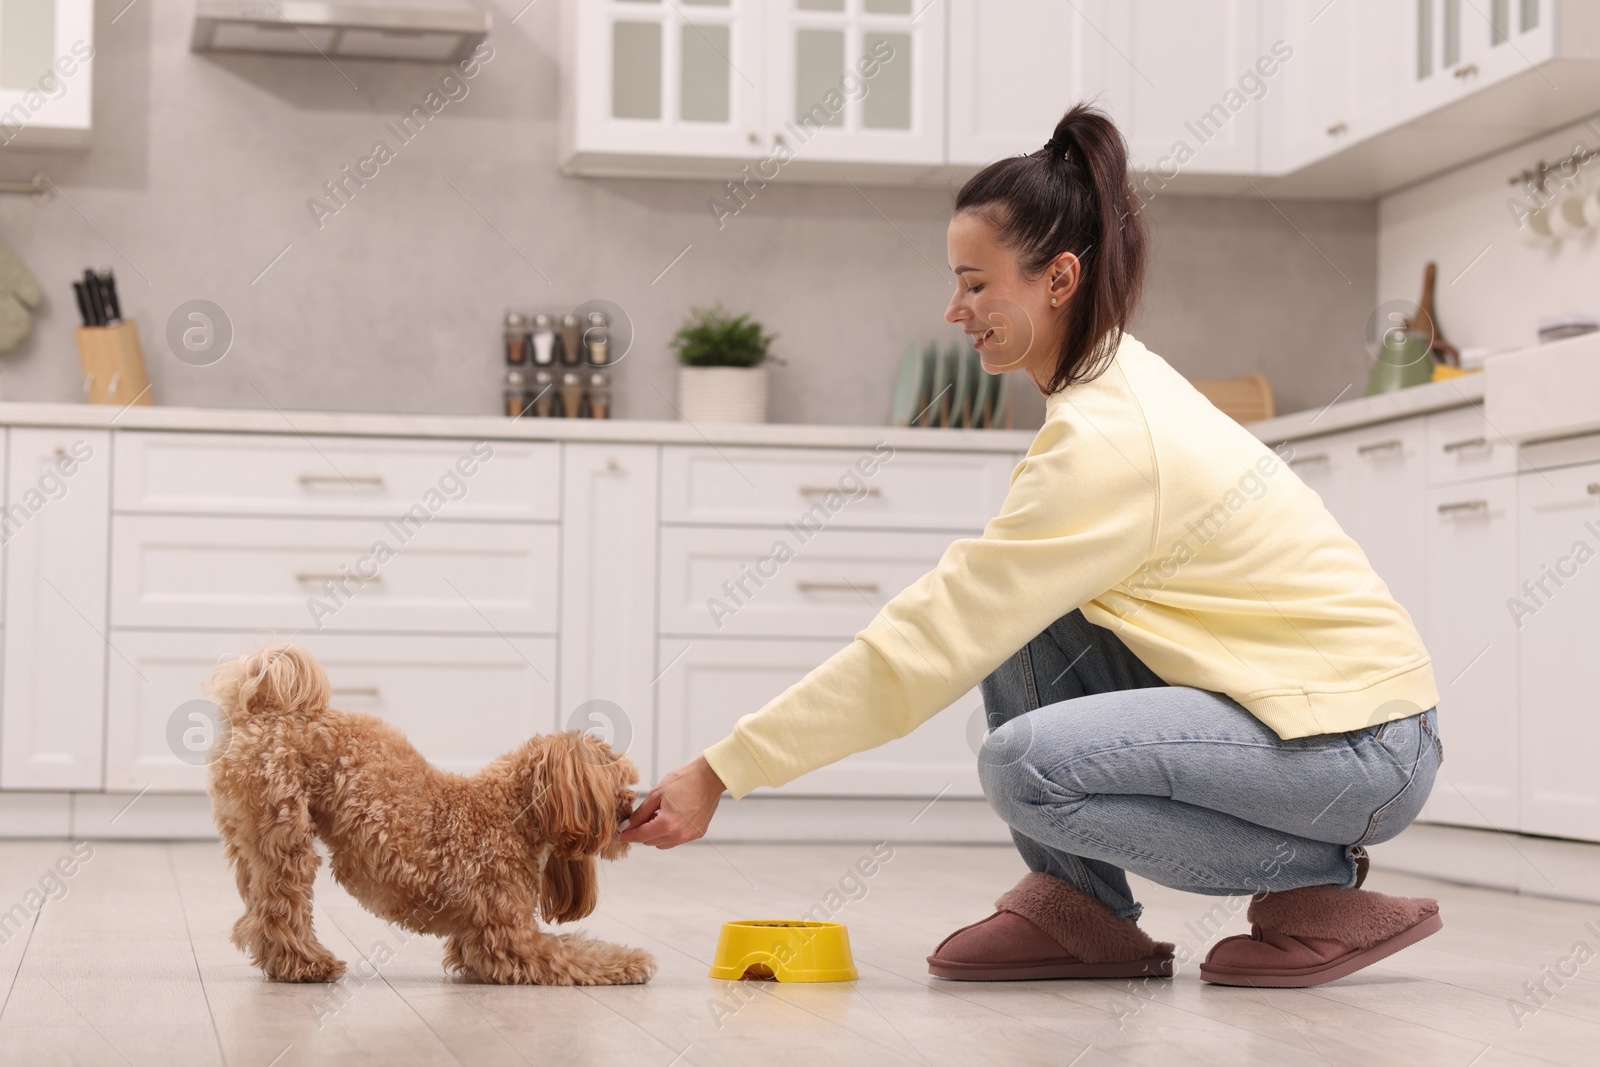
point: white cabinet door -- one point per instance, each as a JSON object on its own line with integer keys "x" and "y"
{"x": 1472, "y": 571}
{"x": 46, "y": 66}
{"x": 1182, "y": 62}
{"x": 856, "y": 80}
{"x": 1016, "y": 66}
{"x": 707, "y": 684}
{"x": 608, "y": 595}
{"x": 1341, "y": 84}
{"x": 659, "y": 77}
{"x": 1557, "y": 609}
{"x": 1459, "y": 47}
{"x": 58, "y": 504}
{"x": 1385, "y": 508}
{"x": 461, "y": 700}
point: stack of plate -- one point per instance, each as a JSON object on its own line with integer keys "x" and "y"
{"x": 948, "y": 388}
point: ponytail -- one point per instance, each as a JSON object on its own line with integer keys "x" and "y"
{"x": 1072, "y": 195}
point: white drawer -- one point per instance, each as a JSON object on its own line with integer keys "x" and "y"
{"x": 731, "y": 581}
{"x": 203, "y": 572}
{"x": 708, "y": 684}
{"x": 263, "y": 474}
{"x": 461, "y": 700}
{"x": 1463, "y": 446}
{"x": 825, "y": 487}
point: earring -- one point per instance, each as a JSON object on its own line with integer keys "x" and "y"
{"x": 1052, "y": 301}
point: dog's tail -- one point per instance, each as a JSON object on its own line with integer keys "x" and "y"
{"x": 283, "y": 679}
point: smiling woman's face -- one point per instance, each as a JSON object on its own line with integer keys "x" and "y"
{"x": 1007, "y": 316}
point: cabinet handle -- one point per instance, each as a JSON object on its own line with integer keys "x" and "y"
{"x": 1391, "y": 445}
{"x": 612, "y": 464}
{"x": 836, "y": 587}
{"x": 1471, "y": 442}
{"x": 1594, "y": 488}
{"x": 824, "y": 490}
{"x": 1468, "y": 71}
{"x": 355, "y": 690}
{"x": 1337, "y": 129}
{"x": 318, "y": 576}
{"x": 1465, "y": 505}
{"x": 374, "y": 480}
{"x": 777, "y": 139}
{"x": 1319, "y": 457}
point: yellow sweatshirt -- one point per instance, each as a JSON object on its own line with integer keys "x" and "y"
{"x": 1167, "y": 523}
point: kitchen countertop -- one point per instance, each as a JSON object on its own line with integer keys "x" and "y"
{"x": 1365, "y": 410}
{"x": 373, "y": 424}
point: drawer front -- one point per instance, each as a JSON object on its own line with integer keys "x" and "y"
{"x": 738, "y": 582}
{"x": 815, "y": 488}
{"x": 260, "y": 474}
{"x": 1463, "y": 446}
{"x": 462, "y": 701}
{"x": 295, "y": 575}
{"x": 707, "y": 685}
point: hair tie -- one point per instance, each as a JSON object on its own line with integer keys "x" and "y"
{"x": 1055, "y": 147}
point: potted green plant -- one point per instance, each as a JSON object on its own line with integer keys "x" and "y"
{"x": 723, "y": 377}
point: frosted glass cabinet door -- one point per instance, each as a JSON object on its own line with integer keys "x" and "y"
{"x": 1016, "y": 67}
{"x": 856, "y": 80}
{"x": 46, "y": 55}
{"x": 1457, "y": 47}
{"x": 675, "y": 77}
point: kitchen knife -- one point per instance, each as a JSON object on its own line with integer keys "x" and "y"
{"x": 83, "y": 302}
{"x": 108, "y": 293}
{"x": 91, "y": 287}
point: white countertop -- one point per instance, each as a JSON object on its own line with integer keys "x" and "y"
{"x": 372, "y": 424}
{"x": 1365, "y": 410}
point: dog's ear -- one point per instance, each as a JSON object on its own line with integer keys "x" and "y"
{"x": 575, "y": 799}
{"x": 567, "y": 889}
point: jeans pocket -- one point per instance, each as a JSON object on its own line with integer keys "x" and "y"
{"x": 1423, "y": 756}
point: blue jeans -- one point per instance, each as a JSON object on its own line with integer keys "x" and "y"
{"x": 1099, "y": 768}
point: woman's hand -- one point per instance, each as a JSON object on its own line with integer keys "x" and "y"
{"x": 678, "y": 809}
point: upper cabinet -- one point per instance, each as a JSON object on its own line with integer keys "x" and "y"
{"x": 1320, "y": 98}
{"x": 1183, "y": 84}
{"x": 46, "y": 56}
{"x": 663, "y": 87}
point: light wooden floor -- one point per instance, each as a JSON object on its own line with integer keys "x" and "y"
{"x": 132, "y": 966}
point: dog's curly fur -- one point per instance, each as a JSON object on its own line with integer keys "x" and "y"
{"x": 475, "y": 860}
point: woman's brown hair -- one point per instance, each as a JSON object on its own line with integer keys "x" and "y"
{"x": 1072, "y": 195}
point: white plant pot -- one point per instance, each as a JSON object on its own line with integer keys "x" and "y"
{"x": 722, "y": 394}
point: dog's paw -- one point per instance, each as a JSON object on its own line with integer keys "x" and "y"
{"x": 638, "y": 967}
{"x": 318, "y": 969}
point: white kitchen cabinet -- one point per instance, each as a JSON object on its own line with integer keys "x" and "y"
{"x": 461, "y": 700}
{"x": 856, "y": 81}
{"x": 740, "y": 581}
{"x": 608, "y": 595}
{"x": 1342, "y": 82}
{"x": 646, "y": 77}
{"x": 52, "y": 727}
{"x": 46, "y": 73}
{"x": 1173, "y": 76}
{"x": 1459, "y": 47}
{"x": 1372, "y": 481}
{"x": 303, "y": 575}
{"x": 1557, "y": 615}
{"x": 1471, "y": 532}
{"x": 997, "y": 54}
{"x": 707, "y": 685}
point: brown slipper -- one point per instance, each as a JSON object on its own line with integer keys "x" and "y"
{"x": 1045, "y": 928}
{"x": 1305, "y": 937}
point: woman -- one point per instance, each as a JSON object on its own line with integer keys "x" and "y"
{"x": 1189, "y": 670}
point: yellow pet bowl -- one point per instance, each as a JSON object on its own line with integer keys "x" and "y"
{"x": 784, "y": 950}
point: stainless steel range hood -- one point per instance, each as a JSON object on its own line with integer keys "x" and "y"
{"x": 427, "y": 30}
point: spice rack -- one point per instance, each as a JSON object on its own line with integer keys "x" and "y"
{"x": 558, "y": 363}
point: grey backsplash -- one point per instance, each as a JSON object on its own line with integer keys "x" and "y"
{"x": 202, "y": 167}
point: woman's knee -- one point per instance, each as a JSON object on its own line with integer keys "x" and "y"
{"x": 1010, "y": 777}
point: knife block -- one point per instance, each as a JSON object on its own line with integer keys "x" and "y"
{"x": 113, "y": 364}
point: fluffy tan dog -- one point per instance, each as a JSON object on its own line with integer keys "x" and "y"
{"x": 470, "y": 859}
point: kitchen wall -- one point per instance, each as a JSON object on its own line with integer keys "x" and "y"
{"x": 1492, "y": 288}
{"x": 198, "y": 182}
